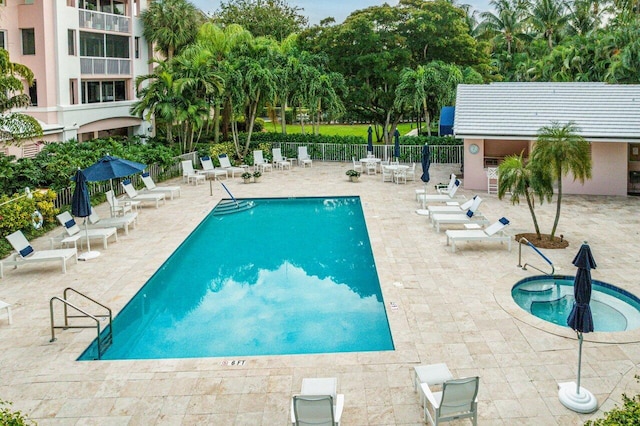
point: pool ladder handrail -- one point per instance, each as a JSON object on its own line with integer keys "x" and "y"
{"x": 106, "y": 341}
{"x": 523, "y": 240}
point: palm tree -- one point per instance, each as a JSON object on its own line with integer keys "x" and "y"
{"x": 508, "y": 23}
{"x": 15, "y": 126}
{"x": 524, "y": 180}
{"x": 549, "y": 17}
{"x": 171, "y": 25}
{"x": 560, "y": 150}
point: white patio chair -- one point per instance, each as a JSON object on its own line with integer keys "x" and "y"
{"x": 143, "y": 197}
{"x": 225, "y": 163}
{"x": 357, "y": 165}
{"x": 118, "y": 222}
{"x": 318, "y": 403}
{"x": 457, "y": 400}
{"x": 280, "y": 161}
{"x": 7, "y": 307}
{"x": 260, "y": 163}
{"x": 120, "y": 206}
{"x": 26, "y": 254}
{"x": 492, "y": 180}
{"x": 303, "y": 157}
{"x": 73, "y": 233}
{"x": 151, "y": 186}
{"x": 190, "y": 175}
{"x": 208, "y": 169}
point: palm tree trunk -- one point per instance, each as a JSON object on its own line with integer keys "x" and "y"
{"x": 216, "y": 123}
{"x": 558, "y": 204}
{"x": 283, "y": 117}
{"x": 426, "y": 116}
{"x": 533, "y": 214}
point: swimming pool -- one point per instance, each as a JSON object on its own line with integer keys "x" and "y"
{"x": 551, "y": 299}
{"x": 288, "y": 276}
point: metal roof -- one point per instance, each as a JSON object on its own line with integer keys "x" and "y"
{"x": 602, "y": 112}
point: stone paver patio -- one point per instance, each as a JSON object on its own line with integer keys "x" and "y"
{"x": 452, "y": 307}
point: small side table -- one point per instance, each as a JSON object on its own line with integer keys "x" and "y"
{"x": 432, "y": 374}
{"x": 7, "y": 306}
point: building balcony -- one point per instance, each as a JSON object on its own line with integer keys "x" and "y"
{"x": 104, "y": 21}
{"x": 105, "y": 66}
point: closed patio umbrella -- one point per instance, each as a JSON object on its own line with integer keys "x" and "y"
{"x": 396, "y": 146}
{"x": 81, "y": 207}
{"x": 426, "y": 163}
{"x": 580, "y": 319}
{"x": 370, "y": 140}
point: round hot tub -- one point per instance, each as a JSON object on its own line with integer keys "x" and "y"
{"x": 551, "y": 299}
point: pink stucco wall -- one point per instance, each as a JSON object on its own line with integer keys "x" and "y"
{"x": 609, "y": 172}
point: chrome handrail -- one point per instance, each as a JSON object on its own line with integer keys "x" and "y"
{"x": 545, "y": 258}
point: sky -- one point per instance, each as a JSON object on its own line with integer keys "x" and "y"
{"x": 316, "y": 10}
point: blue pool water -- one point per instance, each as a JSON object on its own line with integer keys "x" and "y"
{"x": 288, "y": 276}
{"x": 551, "y": 299}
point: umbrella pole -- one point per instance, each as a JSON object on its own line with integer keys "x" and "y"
{"x": 88, "y": 254}
{"x": 579, "y": 361}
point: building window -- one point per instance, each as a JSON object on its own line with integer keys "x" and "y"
{"x": 137, "y": 47}
{"x": 71, "y": 42}
{"x": 3, "y": 38}
{"x": 73, "y": 91}
{"x": 103, "y": 45}
{"x": 33, "y": 93}
{"x": 103, "y": 91}
{"x": 28, "y": 41}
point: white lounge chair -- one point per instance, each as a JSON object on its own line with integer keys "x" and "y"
{"x": 208, "y": 169}
{"x": 457, "y": 400}
{"x": 441, "y": 198}
{"x": 120, "y": 206}
{"x": 441, "y": 189}
{"x": 27, "y": 254}
{"x": 494, "y": 232}
{"x": 260, "y": 163}
{"x": 226, "y": 164}
{"x": 452, "y": 207}
{"x": 280, "y": 161}
{"x": 118, "y": 222}
{"x": 471, "y": 217}
{"x": 151, "y": 186}
{"x": 303, "y": 157}
{"x": 190, "y": 175}
{"x": 318, "y": 403}
{"x": 133, "y": 195}
{"x": 73, "y": 232}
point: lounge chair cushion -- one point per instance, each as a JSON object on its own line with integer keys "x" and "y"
{"x": 70, "y": 223}
{"x": 26, "y": 251}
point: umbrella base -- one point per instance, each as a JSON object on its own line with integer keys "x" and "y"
{"x": 584, "y": 402}
{"x": 88, "y": 255}
{"x": 422, "y": 212}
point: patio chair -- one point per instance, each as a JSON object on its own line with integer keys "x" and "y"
{"x": 120, "y": 206}
{"x": 190, "y": 175}
{"x": 134, "y": 195}
{"x": 226, "y": 164}
{"x": 357, "y": 165}
{"x": 260, "y": 163}
{"x": 318, "y": 403}
{"x": 452, "y": 207}
{"x": 7, "y": 306}
{"x": 208, "y": 169}
{"x": 471, "y": 216}
{"x": 492, "y": 180}
{"x": 411, "y": 172}
{"x": 457, "y": 400}
{"x": 118, "y": 222}
{"x": 72, "y": 232}
{"x": 27, "y": 254}
{"x": 387, "y": 174}
{"x": 303, "y": 157}
{"x": 280, "y": 161}
{"x": 494, "y": 232}
{"x": 151, "y": 186}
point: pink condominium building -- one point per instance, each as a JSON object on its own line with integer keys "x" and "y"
{"x": 85, "y": 55}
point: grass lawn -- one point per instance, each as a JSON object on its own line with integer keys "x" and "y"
{"x": 338, "y": 129}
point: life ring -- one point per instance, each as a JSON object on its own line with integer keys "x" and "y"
{"x": 36, "y": 219}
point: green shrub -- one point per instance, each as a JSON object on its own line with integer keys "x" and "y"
{"x": 9, "y": 417}
{"x": 628, "y": 414}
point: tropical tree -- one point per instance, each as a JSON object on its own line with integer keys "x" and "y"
{"x": 263, "y": 18}
{"x": 560, "y": 150}
{"x": 506, "y": 25}
{"x": 15, "y": 127}
{"x": 521, "y": 179}
{"x": 171, "y": 25}
{"x": 549, "y": 17}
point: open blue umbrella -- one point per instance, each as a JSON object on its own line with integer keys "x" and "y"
{"x": 396, "y": 146}
{"x": 370, "y": 140}
{"x": 81, "y": 207}
{"x": 109, "y": 167}
{"x": 580, "y": 319}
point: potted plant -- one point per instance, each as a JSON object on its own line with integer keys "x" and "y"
{"x": 256, "y": 176}
{"x": 353, "y": 175}
{"x": 247, "y": 177}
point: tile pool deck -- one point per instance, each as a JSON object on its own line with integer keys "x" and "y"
{"x": 452, "y": 307}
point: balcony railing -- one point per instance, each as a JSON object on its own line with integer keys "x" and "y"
{"x": 105, "y": 66}
{"x": 104, "y": 21}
